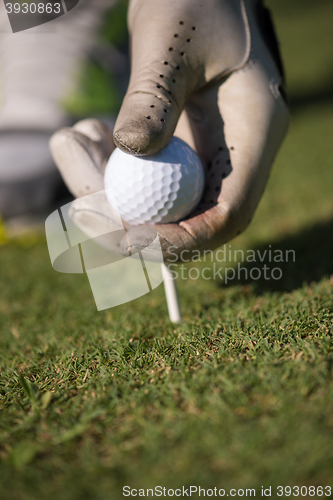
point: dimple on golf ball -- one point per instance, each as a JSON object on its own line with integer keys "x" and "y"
{"x": 156, "y": 189}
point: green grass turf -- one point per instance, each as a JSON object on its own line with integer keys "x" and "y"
{"x": 239, "y": 396}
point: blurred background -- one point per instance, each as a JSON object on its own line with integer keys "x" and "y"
{"x": 297, "y": 206}
{"x": 299, "y": 191}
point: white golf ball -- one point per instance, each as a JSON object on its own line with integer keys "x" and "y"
{"x": 156, "y": 189}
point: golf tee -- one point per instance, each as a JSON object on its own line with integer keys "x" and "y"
{"x": 171, "y": 295}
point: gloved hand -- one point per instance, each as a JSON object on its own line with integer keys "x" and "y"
{"x": 210, "y": 73}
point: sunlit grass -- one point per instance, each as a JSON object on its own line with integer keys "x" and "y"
{"x": 238, "y": 396}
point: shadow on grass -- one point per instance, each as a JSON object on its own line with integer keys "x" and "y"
{"x": 313, "y": 260}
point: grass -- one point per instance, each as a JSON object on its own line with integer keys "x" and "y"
{"x": 239, "y": 396}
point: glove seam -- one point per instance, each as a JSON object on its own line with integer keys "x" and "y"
{"x": 245, "y": 60}
{"x": 130, "y": 150}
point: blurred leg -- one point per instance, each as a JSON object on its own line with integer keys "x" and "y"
{"x": 37, "y": 70}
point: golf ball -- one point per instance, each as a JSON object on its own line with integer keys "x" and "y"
{"x": 157, "y": 189}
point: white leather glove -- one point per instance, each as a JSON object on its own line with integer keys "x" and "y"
{"x": 209, "y": 72}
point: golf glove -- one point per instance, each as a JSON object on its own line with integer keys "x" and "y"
{"x": 210, "y": 73}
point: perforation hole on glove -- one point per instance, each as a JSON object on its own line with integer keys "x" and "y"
{"x": 166, "y": 77}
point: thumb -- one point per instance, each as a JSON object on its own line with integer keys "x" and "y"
{"x": 161, "y": 77}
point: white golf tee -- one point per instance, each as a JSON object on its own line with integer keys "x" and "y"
{"x": 171, "y": 295}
